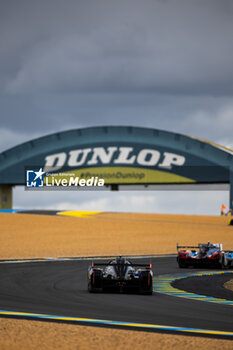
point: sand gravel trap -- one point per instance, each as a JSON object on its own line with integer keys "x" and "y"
{"x": 31, "y": 236}
{"x": 229, "y": 285}
{"x": 21, "y": 334}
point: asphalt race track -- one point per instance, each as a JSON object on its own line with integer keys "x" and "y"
{"x": 206, "y": 285}
{"x": 60, "y": 288}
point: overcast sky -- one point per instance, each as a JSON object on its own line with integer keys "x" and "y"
{"x": 163, "y": 64}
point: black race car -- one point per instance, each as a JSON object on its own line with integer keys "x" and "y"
{"x": 120, "y": 275}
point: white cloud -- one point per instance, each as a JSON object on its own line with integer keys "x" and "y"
{"x": 171, "y": 202}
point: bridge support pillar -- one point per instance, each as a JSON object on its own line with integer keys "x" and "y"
{"x": 5, "y": 197}
{"x": 231, "y": 190}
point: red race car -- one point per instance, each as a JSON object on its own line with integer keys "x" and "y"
{"x": 203, "y": 255}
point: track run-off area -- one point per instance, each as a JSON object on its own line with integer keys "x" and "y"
{"x": 56, "y": 290}
{"x": 43, "y": 273}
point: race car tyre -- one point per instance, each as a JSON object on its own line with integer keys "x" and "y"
{"x": 146, "y": 283}
{"x": 224, "y": 265}
{"x": 95, "y": 284}
{"x": 182, "y": 264}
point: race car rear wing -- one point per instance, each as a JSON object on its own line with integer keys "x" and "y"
{"x": 215, "y": 245}
{"x": 185, "y": 246}
{"x": 147, "y": 266}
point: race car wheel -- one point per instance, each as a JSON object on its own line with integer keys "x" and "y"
{"x": 182, "y": 264}
{"x": 95, "y": 284}
{"x": 222, "y": 263}
{"x": 225, "y": 266}
{"x": 146, "y": 283}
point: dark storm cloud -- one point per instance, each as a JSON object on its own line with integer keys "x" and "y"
{"x": 175, "y": 47}
{"x": 162, "y": 64}
{"x": 75, "y": 63}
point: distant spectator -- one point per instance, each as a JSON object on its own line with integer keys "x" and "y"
{"x": 223, "y": 210}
